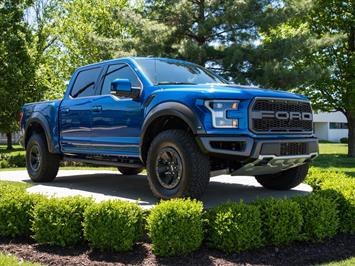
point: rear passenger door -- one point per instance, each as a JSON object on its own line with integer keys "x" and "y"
{"x": 116, "y": 121}
{"x": 75, "y": 112}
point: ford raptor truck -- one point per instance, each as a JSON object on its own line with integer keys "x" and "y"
{"x": 178, "y": 120}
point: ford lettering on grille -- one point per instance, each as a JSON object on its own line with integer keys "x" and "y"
{"x": 280, "y": 116}
{"x": 283, "y": 115}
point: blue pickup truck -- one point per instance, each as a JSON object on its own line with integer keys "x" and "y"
{"x": 178, "y": 120}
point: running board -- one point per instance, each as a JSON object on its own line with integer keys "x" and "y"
{"x": 134, "y": 164}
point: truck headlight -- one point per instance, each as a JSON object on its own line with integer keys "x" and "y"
{"x": 224, "y": 113}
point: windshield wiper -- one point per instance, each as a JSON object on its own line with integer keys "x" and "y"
{"x": 175, "y": 83}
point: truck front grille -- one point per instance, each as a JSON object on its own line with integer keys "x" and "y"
{"x": 280, "y": 116}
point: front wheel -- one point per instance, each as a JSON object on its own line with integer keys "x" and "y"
{"x": 42, "y": 166}
{"x": 284, "y": 180}
{"x": 176, "y": 167}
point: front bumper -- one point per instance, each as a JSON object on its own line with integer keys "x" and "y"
{"x": 261, "y": 156}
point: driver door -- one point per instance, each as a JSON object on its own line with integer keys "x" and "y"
{"x": 116, "y": 121}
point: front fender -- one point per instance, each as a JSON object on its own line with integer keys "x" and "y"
{"x": 174, "y": 109}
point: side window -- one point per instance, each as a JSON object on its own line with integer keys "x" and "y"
{"x": 119, "y": 71}
{"x": 84, "y": 84}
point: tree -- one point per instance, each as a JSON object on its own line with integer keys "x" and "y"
{"x": 221, "y": 34}
{"x": 16, "y": 69}
{"x": 80, "y": 32}
{"x": 333, "y": 23}
{"x": 311, "y": 50}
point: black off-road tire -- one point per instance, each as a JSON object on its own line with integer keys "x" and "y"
{"x": 284, "y": 180}
{"x": 130, "y": 170}
{"x": 195, "y": 165}
{"x": 48, "y": 163}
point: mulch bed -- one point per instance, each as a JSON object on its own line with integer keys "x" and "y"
{"x": 335, "y": 249}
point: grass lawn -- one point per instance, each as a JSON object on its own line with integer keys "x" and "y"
{"x": 333, "y": 156}
{"x": 16, "y": 148}
{"x": 14, "y": 261}
{"x": 348, "y": 262}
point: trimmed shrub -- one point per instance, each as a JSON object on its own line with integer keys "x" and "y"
{"x": 17, "y": 160}
{"x": 234, "y": 227}
{"x": 12, "y": 159}
{"x": 281, "y": 220}
{"x": 320, "y": 217}
{"x": 113, "y": 225}
{"x": 58, "y": 221}
{"x": 344, "y": 208}
{"x": 8, "y": 187}
{"x": 317, "y": 176}
{"x": 15, "y": 212}
{"x": 4, "y": 164}
{"x": 344, "y": 187}
{"x": 176, "y": 227}
{"x": 344, "y": 140}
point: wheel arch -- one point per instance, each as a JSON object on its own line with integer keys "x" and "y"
{"x": 168, "y": 115}
{"x": 38, "y": 124}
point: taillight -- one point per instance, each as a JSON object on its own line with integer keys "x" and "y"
{"x": 20, "y": 116}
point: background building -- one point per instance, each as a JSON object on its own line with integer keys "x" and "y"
{"x": 15, "y": 138}
{"x": 330, "y": 126}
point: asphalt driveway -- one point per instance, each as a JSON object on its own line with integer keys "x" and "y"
{"x": 103, "y": 185}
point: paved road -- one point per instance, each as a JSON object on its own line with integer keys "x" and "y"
{"x": 102, "y": 185}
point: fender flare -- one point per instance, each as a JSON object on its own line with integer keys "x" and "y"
{"x": 42, "y": 121}
{"x": 172, "y": 109}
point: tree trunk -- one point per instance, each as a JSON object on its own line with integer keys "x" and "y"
{"x": 9, "y": 141}
{"x": 351, "y": 134}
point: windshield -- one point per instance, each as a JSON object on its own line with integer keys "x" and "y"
{"x": 176, "y": 72}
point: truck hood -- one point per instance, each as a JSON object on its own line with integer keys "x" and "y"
{"x": 227, "y": 91}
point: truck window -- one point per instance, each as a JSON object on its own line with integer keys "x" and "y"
{"x": 84, "y": 84}
{"x": 118, "y": 71}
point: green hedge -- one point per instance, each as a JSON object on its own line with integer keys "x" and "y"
{"x": 234, "y": 227}
{"x": 15, "y": 212}
{"x": 344, "y": 140}
{"x": 281, "y": 220}
{"x": 176, "y": 227}
{"x": 58, "y": 221}
{"x": 320, "y": 217}
{"x": 7, "y": 187}
{"x": 113, "y": 225}
{"x": 316, "y": 177}
{"x": 344, "y": 187}
{"x": 12, "y": 159}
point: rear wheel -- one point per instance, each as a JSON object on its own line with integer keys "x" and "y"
{"x": 284, "y": 180}
{"x": 176, "y": 167}
{"x": 130, "y": 170}
{"x": 42, "y": 166}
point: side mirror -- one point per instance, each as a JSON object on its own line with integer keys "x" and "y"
{"x": 123, "y": 88}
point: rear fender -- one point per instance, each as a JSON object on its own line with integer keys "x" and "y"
{"x": 40, "y": 120}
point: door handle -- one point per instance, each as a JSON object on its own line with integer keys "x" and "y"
{"x": 97, "y": 108}
{"x": 65, "y": 110}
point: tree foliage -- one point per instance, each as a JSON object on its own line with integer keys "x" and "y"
{"x": 17, "y": 68}
{"x": 222, "y": 34}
